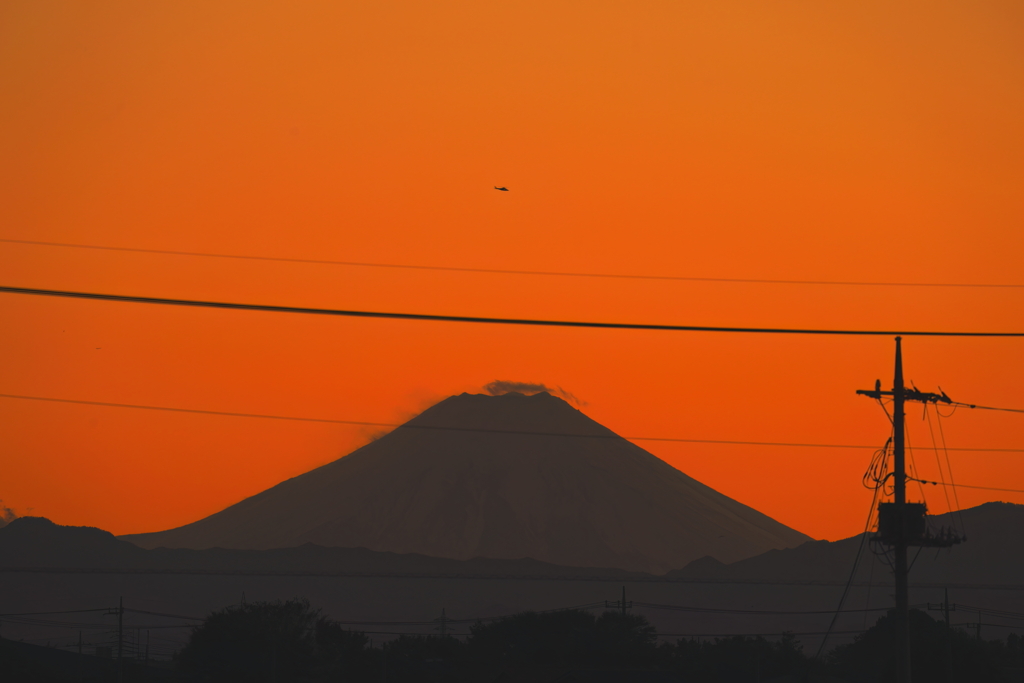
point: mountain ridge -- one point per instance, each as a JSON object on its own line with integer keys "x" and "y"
{"x": 992, "y": 555}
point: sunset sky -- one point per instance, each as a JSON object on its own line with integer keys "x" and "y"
{"x": 866, "y": 141}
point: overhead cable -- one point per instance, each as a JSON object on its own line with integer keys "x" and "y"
{"x": 407, "y": 425}
{"x": 975, "y": 407}
{"x": 67, "y": 611}
{"x": 963, "y": 486}
{"x": 500, "y": 271}
{"x": 124, "y": 298}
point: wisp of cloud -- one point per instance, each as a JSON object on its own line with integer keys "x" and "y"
{"x": 500, "y": 386}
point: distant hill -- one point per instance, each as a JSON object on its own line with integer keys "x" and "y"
{"x": 993, "y": 554}
{"x": 503, "y": 477}
{"x": 37, "y": 543}
{"x": 46, "y": 567}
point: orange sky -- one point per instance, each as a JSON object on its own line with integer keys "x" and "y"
{"x": 858, "y": 141}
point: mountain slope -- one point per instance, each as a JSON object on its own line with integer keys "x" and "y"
{"x": 506, "y": 476}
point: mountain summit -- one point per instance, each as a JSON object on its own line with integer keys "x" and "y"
{"x": 508, "y": 476}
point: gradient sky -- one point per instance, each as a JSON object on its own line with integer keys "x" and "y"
{"x": 791, "y": 140}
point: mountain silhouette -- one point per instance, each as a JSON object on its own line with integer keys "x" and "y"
{"x": 509, "y": 476}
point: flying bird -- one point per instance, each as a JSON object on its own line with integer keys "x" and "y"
{"x": 503, "y": 189}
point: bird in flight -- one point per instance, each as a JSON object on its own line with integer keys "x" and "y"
{"x": 503, "y": 189}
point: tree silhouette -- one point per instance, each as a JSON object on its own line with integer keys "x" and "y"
{"x": 272, "y": 641}
{"x": 871, "y": 657}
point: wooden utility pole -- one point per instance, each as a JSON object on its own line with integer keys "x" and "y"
{"x": 120, "y": 640}
{"x": 903, "y": 673}
{"x": 902, "y": 524}
{"x": 949, "y": 636}
{"x": 443, "y": 623}
{"x": 620, "y": 604}
{"x": 946, "y": 608}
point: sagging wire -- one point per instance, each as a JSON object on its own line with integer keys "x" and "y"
{"x": 914, "y": 561}
{"x": 977, "y": 407}
{"x": 877, "y": 474}
{"x": 949, "y": 469}
{"x": 849, "y": 581}
{"x": 938, "y": 462}
{"x": 913, "y": 464}
{"x": 876, "y": 478}
{"x": 867, "y": 597}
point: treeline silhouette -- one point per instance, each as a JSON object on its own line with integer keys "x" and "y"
{"x": 292, "y": 642}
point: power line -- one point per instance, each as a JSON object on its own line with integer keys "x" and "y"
{"x": 963, "y": 486}
{"x": 123, "y": 298}
{"x": 756, "y": 635}
{"x": 613, "y": 579}
{"x": 161, "y": 614}
{"x": 500, "y": 271}
{"x": 974, "y": 407}
{"x": 470, "y": 429}
{"x": 752, "y": 612}
{"x": 592, "y": 605}
{"x": 67, "y": 611}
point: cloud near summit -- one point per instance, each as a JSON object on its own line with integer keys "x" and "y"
{"x": 6, "y": 514}
{"x": 500, "y": 386}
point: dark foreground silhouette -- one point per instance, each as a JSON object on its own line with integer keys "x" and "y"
{"x": 293, "y": 642}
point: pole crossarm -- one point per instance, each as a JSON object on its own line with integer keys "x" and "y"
{"x": 912, "y": 394}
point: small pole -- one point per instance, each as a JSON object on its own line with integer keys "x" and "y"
{"x": 79, "y": 642}
{"x": 949, "y": 637}
{"x": 978, "y": 634}
{"x": 147, "y": 646}
{"x": 623, "y": 601}
{"x": 120, "y": 639}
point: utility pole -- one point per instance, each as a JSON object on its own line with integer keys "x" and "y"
{"x": 900, "y": 524}
{"x": 120, "y": 640}
{"x": 946, "y": 609}
{"x": 949, "y": 636}
{"x": 620, "y": 604}
{"x": 120, "y": 637}
{"x": 443, "y": 621}
{"x": 903, "y": 671}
